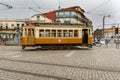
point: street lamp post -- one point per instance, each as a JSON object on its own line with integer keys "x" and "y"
{"x": 103, "y": 26}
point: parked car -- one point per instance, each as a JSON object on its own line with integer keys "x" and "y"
{"x": 102, "y": 41}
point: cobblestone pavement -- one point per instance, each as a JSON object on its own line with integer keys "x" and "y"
{"x": 98, "y": 63}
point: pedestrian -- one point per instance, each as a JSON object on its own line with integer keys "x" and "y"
{"x": 117, "y": 44}
{"x": 106, "y": 42}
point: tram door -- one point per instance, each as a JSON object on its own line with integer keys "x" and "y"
{"x": 85, "y": 36}
{"x": 31, "y": 39}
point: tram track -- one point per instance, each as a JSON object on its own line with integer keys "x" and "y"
{"x": 61, "y": 65}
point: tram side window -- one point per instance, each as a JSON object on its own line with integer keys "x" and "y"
{"x": 41, "y": 33}
{"x": 29, "y": 32}
{"x": 47, "y": 33}
{"x": 25, "y": 32}
{"x": 65, "y": 33}
{"x": 75, "y": 33}
{"x": 70, "y": 33}
{"x": 53, "y": 33}
{"x": 59, "y": 33}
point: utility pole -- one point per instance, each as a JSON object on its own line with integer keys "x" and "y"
{"x": 8, "y": 6}
{"x": 59, "y": 5}
{"x": 104, "y": 24}
{"x": 59, "y": 12}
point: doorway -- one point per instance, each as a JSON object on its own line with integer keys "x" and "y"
{"x": 85, "y": 36}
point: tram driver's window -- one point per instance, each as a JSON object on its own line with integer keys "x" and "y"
{"x": 32, "y": 32}
{"x": 29, "y": 32}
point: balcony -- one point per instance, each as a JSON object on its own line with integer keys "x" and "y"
{"x": 64, "y": 16}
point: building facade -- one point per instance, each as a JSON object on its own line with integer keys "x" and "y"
{"x": 45, "y": 17}
{"x": 108, "y": 33}
{"x": 70, "y": 15}
{"x": 10, "y": 29}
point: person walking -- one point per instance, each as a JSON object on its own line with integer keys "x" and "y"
{"x": 106, "y": 42}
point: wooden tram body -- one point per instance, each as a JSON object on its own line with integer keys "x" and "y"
{"x": 56, "y": 36}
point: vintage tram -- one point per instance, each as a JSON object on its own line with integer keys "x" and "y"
{"x": 56, "y": 36}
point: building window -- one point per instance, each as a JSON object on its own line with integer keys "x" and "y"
{"x": 38, "y": 17}
{"x": 67, "y": 13}
{"x": 61, "y": 13}
{"x": 73, "y": 13}
{"x": 12, "y": 25}
{"x": 6, "y": 25}
{"x": 67, "y": 21}
{"x": 1, "y": 26}
{"x": 18, "y": 25}
{"x": 53, "y": 33}
{"x": 22, "y": 24}
{"x": 41, "y": 33}
{"x": 57, "y": 13}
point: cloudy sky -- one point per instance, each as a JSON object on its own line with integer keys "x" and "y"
{"x": 94, "y": 9}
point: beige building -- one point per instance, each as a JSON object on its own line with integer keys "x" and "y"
{"x": 44, "y": 18}
{"x": 10, "y": 28}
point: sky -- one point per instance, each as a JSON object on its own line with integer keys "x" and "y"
{"x": 94, "y": 9}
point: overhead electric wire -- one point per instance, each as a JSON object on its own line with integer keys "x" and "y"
{"x": 36, "y": 4}
{"x": 34, "y": 10}
{"x": 8, "y": 6}
{"x": 99, "y": 6}
{"x": 5, "y": 2}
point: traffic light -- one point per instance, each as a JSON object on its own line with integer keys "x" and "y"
{"x": 116, "y": 30}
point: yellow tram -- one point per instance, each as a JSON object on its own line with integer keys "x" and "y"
{"x": 56, "y": 36}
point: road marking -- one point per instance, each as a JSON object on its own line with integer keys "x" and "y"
{"x": 12, "y": 53}
{"x": 16, "y": 56}
{"x": 45, "y": 56}
{"x": 70, "y": 54}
